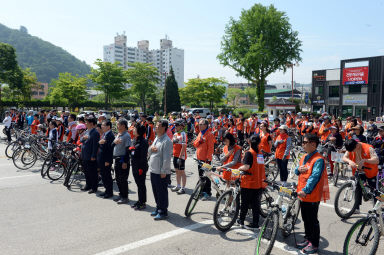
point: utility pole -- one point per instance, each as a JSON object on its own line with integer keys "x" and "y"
{"x": 291, "y": 65}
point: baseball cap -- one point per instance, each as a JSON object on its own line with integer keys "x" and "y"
{"x": 285, "y": 127}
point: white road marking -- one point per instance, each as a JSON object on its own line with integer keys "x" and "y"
{"x": 155, "y": 239}
{"x": 18, "y": 176}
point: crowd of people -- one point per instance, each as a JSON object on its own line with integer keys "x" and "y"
{"x": 153, "y": 143}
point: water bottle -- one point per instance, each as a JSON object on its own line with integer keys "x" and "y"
{"x": 284, "y": 210}
{"x": 217, "y": 181}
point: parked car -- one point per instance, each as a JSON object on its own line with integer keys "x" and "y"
{"x": 203, "y": 112}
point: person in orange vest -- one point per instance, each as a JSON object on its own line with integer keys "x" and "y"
{"x": 252, "y": 184}
{"x": 316, "y": 125}
{"x": 71, "y": 131}
{"x": 275, "y": 129}
{"x": 357, "y": 134}
{"x": 283, "y": 147}
{"x": 205, "y": 145}
{"x": 240, "y": 127}
{"x": 312, "y": 187}
{"x": 266, "y": 140}
{"x": 179, "y": 156}
{"x": 324, "y": 130}
{"x": 150, "y": 134}
{"x": 35, "y": 123}
{"x": 358, "y": 155}
{"x": 231, "y": 157}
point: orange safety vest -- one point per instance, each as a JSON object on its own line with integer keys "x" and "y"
{"x": 257, "y": 174}
{"x": 204, "y": 151}
{"x": 34, "y": 126}
{"x": 60, "y": 132}
{"x": 177, "y": 147}
{"x": 239, "y": 125}
{"x": 69, "y": 137}
{"x": 232, "y": 155}
{"x": 264, "y": 144}
{"x": 324, "y": 135}
{"x": 372, "y": 169}
{"x": 280, "y": 149}
{"x": 321, "y": 190}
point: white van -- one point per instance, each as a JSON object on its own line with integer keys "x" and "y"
{"x": 203, "y": 112}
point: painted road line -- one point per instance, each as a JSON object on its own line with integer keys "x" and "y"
{"x": 18, "y": 176}
{"x": 155, "y": 239}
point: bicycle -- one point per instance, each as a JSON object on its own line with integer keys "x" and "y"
{"x": 271, "y": 169}
{"x": 225, "y": 216}
{"x": 345, "y": 210}
{"x": 216, "y": 182}
{"x": 339, "y": 166}
{"x": 367, "y": 230}
{"x": 283, "y": 216}
{"x": 295, "y": 161}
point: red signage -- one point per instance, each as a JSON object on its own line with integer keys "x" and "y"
{"x": 355, "y": 75}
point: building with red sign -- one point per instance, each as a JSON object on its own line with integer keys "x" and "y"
{"x": 354, "y": 89}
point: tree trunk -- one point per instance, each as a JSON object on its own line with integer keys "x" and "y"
{"x": 260, "y": 90}
{"x": 144, "y": 106}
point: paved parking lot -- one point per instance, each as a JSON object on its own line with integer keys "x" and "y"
{"x": 39, "y": 216}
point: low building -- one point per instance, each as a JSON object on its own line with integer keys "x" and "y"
{"x": 278, "y": 106}
{"x": 39, "y": 91}
{"x": 356, "y": 88}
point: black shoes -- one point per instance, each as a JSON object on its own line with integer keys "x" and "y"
{"x": 85, "y": 188}
{"x": 92, "y": 191}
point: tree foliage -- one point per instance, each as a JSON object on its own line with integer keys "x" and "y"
{"x": 199, "y": 91}
{"x": 10, "y": 72}
{"x": 44, "y": 58}
{"x": 69, "y": 90}
{"x": 172, "y": 93}
{"x": 259, "y": 43}
{"x": 143, "y": 77}
{"x": 233, "y": 95}
{"x": 110, "y": 79}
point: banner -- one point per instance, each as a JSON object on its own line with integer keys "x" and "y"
{"x": 355, "y": 75}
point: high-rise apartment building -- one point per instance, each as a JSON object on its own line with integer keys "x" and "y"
{"x": 163, "y": 59}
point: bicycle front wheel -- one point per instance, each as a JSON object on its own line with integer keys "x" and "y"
{"x": 271, "y": 171}
{"x": 17, "y": 159}
{"x": 335, "y": 174}
{"x": 29, "y": 158}
{"x": 55, "y": 171}
{"x": 193, "y": 199}
{"x": 345, "y": 201}
{"x": 267, "y": 235}
{"x": 226, "y": 210}
{"x": 11, "y": 148}
{"x": 362, "y": 238}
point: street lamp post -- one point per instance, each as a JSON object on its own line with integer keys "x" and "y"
{"x": 291, "y": 65}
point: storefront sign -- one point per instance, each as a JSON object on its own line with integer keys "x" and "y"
{"x": 355, "y": 75}
{"x": 355, "y": 100}
{"x": 319, "y": 76}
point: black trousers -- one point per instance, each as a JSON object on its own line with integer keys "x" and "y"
{"x": 207, "y": 186}
{"x": 282, "y": 164}
{"x": 309, "y": 211}
{"x": 106, "y": 177}
{"x": 122, "y": 178}
{"x": 90, "y": 172}
{"x": 359, "y": 191}
{"x": 250, "y": 198}
{"x": 140, "y": 182}
{"x": 240, "y": 136}
{"x": 160, "y": 192}
{"x": 8, "y": 133}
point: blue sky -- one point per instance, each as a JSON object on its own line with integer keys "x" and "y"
{"x": 330, "y": 30}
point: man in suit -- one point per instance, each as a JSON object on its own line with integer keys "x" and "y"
{"x": 105, "y": 158}
{"x": 89, "y": 149}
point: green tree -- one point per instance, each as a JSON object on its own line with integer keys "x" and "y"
{"x": 69, "y": 90}
{"x": 233, "y": 95}
{"x": 29, "y": 82}
{"x": 110, "y": 79}
{"x": 259, "y": 43}
{"x": 198, "y": 91}
{"x": 172, "y": 93}
{"x": 10, "y": 72}
{"x": 251, "y": 94}
{"x": 143, "y": 77}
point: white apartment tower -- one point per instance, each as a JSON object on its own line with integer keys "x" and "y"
{"x": 162, "y": 58}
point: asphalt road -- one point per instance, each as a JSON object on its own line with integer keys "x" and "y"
{"x": 43, "y": 217}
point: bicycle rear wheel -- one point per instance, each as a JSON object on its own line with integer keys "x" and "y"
{"x": 226, "y": 210}
{"x": 290, "y": 220}
{"x": 55, "y": 171}
{"x": 193, "y": 199}
{"x": 267, "y": 235}
{"x": 362, "y": 238}
{"x": 17, "y": 159}
{"x": 75, "y": 177}
{"x": 345, "y": 201}
{"x": 271, "y": 171}
{"x": 264, "y": 203}
{"x": 29, "y": 158}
